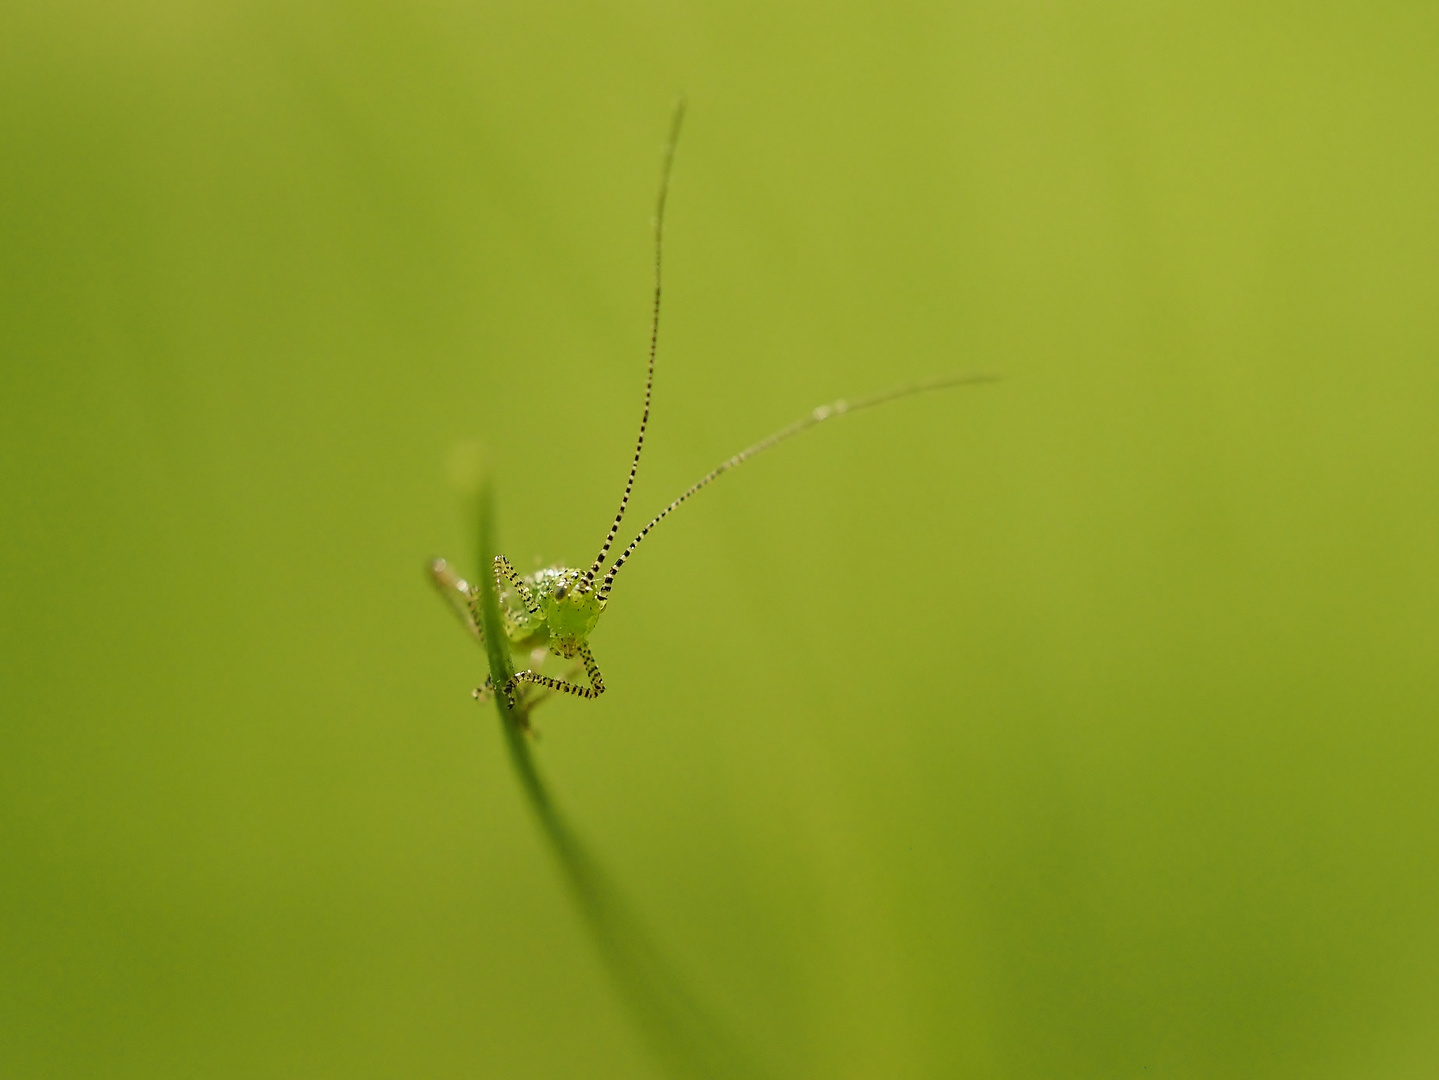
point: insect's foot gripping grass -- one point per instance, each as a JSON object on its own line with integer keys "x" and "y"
{"x": 506, "y": 572}
{"x": 551, "y": 685}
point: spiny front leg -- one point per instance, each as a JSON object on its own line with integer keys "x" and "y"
{"x": 541, "y": 695}
{"x": 592, "y": 670}
{"x": 544, "y": 694}
{"x": 484, "y": 694}
{"x": 505, "y": 572}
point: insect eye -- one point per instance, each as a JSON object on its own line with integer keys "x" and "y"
{"x": 560, "y": 592}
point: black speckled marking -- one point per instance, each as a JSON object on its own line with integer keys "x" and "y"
{"x": 594, "y": 690}
{"x": 599, "y": 562}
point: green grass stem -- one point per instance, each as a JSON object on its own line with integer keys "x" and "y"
{"x": 684, "y": 1037}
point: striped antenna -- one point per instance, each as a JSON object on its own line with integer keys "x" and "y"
{"x": 676, "y": 120}
{"x": 818, "y": 416}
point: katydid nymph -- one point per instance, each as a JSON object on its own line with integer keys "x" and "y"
{"x": 554, "y": 609}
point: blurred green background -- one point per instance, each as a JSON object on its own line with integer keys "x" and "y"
{"x": 1078, "y": 726}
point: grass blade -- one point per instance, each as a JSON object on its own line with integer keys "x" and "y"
{"x": 686, "y": 1040}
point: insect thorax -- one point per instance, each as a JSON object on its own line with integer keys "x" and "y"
{"x": 566, "y": 614}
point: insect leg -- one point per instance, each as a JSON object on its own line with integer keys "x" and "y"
{"x": 534, "y": 678}
{"x": 592, "y": 670}
{"x": 505, "y": 571}
{"x": 462, "y": 597}
{"x": 544, "y": 694}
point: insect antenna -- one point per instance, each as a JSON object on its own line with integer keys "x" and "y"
{"x": 818, "y": 416}
{"x": 675, "y": 121}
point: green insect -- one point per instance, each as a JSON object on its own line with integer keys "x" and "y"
{"x": 554, "y": 610}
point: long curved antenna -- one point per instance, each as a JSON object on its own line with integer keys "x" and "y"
{"x": 819, "y": 416}
{"x": 675, "y": 121}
